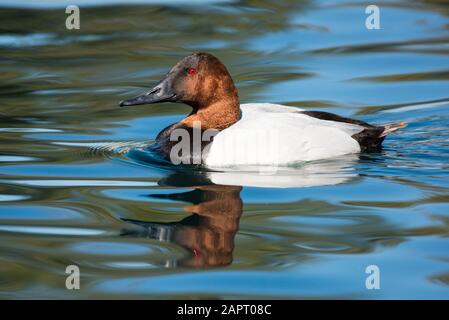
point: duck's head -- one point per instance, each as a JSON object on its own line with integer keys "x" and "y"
{"x": 199, "y": 80}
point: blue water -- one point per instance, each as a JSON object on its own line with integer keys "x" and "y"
{"x": 78, "y": 188}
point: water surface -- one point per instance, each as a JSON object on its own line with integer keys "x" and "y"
{"x": 76, "y": 187}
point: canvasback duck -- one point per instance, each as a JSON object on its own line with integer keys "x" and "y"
{"x": 253, "y": 133}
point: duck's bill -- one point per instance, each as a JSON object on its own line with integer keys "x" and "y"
{"x": 160, "y": 93}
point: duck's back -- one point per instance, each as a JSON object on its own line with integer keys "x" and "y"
{"x": 271, "y": 134}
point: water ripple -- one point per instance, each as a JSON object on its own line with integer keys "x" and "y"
{"x": 30, "y": 130}
{"x": 63, "y": 231}
{"x": 79, "y": 183}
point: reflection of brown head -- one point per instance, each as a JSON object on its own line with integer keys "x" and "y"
{"x": 208, "y": 234}
{"x": 211, "y": 237}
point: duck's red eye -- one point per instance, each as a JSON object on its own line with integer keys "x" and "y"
{"x": 191, "y": 71}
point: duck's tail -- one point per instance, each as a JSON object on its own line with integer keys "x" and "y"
{"x": 392, "y": 127}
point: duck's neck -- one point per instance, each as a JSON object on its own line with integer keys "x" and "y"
{"x": 218, "y": 115}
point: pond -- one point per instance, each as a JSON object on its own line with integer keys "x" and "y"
{"x": 76, "y": 188}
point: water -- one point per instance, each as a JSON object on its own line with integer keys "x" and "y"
{"x": 76, "y": 187}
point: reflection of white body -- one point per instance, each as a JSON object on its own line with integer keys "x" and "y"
{"x": 272, "y": 134}
{"x": 311, "y": 174}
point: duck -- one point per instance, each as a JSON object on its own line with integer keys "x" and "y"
{"x": 221, "y": 132}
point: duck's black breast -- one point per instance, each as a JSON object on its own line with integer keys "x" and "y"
{"x": 369, "y": 138}
{"x": 186, "y": 142}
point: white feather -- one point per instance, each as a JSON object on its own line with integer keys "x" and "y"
{"x": 272, "y": 134}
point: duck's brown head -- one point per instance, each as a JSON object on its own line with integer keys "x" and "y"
{"x": 199, "y": 80}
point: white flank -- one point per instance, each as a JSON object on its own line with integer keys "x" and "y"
{"x": 272, "y": 134}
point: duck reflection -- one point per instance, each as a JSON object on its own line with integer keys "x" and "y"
{"x": 208, "y": 233}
